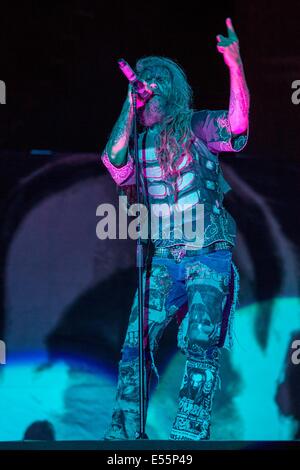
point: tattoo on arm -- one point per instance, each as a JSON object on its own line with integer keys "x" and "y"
{"x": 118, "y": 141}
{"x": 239, "y": 100}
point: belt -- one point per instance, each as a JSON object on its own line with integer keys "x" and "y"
{"x": 177, "y": 252}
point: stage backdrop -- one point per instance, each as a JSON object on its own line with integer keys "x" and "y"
{"x": 66, "y": 299}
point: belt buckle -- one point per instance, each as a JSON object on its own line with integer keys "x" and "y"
{"x": 178, "y": 253}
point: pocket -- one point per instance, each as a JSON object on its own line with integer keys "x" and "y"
{"x": 219, "y": 260}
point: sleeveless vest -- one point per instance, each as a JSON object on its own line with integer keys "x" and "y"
{"x": 201, "y": 181}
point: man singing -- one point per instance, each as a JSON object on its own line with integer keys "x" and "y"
{"x": 193, "y": 280}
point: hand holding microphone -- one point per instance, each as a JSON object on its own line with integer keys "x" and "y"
{"x": 139, "y": 86}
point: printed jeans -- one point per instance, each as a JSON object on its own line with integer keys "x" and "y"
{"x": 197, "y": 287}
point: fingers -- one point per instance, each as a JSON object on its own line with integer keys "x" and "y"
{"x": 221, "y": 38}
{"x": 230, "y": 29}
{"x": 229, "y": 25}
{"x": 222, "y": 41}
{"x": 147, "y": 85}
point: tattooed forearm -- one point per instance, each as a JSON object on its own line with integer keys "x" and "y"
{"x": 239, "y": 94}
{"x": 239, "y": 100}
{"x": 118, "y": 142}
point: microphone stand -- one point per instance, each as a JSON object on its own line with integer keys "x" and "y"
{"x": 139, "y": 264}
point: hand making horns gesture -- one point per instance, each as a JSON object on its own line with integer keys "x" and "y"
{"x": 229, "y": 46}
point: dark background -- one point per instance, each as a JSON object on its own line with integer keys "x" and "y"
{"x": 64, "y": 89}
{"x": 66, "y": 292}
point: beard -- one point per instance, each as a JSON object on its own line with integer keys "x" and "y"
{"x": 154, "y": 111}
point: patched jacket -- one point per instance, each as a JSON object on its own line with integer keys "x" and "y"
{"x": 200, "y": 182}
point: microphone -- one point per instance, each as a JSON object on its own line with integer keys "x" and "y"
{"x": 138, "y": 85}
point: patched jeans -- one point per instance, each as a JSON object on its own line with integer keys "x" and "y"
{"x": 199, "y": 290}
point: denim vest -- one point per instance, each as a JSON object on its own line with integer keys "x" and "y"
{"x": 201, "y": 181}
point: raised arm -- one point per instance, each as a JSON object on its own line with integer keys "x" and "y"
{"x": 117, "y": 145}
{"x": 239, "y": 94}
{"x": 116, "y": 157}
